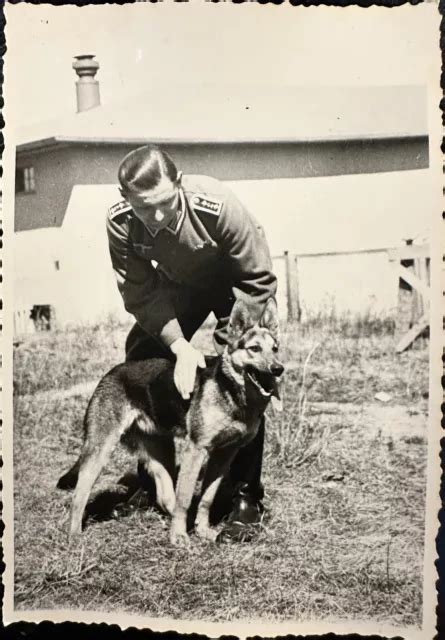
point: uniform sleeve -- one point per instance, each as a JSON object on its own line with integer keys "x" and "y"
{"x": 244, "y": 245}
{"x": 138, "y": 283}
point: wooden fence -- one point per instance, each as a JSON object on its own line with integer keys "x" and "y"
{"x": 411, "y": 267}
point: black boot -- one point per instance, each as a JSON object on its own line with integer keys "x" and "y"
{"x": 245, "y": 475}
{"x": 243, "y": 521}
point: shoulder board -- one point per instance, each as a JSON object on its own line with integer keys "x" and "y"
{"x": 119, "y": 207}
{"x": 206, "y": 204}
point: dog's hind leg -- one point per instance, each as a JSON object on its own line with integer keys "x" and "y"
{"x": 95, "y": 455}
{"x": 159, "y": 462}
{"x": 217, "y": 466}
{"x": 191, "y": 464}
{"x": 91, "y": 464}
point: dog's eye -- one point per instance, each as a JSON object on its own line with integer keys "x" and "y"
{"x": 255, "y": 348}
{"x": 275, "y": 348}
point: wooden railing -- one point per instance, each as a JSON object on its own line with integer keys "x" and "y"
{"x": 411, "y": 267}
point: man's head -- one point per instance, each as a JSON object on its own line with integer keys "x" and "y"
{"x": 150, "y": 183}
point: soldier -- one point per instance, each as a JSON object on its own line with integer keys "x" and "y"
{"x": 182, "y": 247}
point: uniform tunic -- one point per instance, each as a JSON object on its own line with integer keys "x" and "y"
{"x": 214, "y": 246}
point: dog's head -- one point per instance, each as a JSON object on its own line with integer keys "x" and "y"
{"x": 254, "y": 347}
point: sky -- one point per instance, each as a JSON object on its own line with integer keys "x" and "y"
{"x": 146, "y": 47}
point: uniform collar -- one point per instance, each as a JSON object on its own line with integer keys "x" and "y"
{"x": 176, "y": 223}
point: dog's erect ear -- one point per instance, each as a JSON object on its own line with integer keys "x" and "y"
{"x": 240, "y": 320}
{"x": 269, "y": 319}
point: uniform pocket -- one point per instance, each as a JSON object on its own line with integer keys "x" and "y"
{"x": 143, "y": 250}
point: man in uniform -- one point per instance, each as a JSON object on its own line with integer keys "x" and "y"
{"x": 182, "y": 247}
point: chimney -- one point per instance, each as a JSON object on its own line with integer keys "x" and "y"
{"x": 87, "y": 88}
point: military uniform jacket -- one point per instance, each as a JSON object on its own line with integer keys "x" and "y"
{"x": 214, "y": 241}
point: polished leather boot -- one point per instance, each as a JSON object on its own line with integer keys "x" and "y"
{"x": 243, "y": 522}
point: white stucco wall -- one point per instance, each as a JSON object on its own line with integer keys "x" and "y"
{"x": 343, "y": 213}
{"x": 300, "y": 216}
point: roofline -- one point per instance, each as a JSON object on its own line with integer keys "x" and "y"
{"x": 74, "y": 140}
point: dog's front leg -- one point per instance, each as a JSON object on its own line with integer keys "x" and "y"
{"x": 218, "y": 465}
{"x": 191, "y": 464}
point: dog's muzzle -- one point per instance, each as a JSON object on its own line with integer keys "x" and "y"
{"x": 276, "y": 369}
{"x": 266, "y": 382}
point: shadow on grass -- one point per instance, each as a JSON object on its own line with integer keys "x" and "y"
{"x": 137, "y": 491}
{"x": 122, "y": 500}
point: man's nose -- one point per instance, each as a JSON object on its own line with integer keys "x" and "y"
{"x": 276, "y": 369}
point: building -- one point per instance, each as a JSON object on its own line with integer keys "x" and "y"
{"x": 298, "y": 153}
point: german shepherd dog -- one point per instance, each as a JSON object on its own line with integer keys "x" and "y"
{"x": 139, "y": 402}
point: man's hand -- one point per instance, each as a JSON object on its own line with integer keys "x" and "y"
{"x": 187, "y": 360}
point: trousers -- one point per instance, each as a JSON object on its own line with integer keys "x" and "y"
{"x": 247, "y": 465}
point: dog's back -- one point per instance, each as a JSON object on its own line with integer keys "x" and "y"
{"x": 148, "y": 392}
{"x": 140, "y": 392}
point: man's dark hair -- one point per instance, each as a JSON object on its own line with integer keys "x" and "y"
{"x": 142, "y": 168}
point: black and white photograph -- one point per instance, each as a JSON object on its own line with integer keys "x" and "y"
{"x": 222, "y": 324}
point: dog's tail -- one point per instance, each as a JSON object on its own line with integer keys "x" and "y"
{"x": 69, "y": 479}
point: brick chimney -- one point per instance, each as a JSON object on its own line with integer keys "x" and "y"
{"x": 87, "y": 88}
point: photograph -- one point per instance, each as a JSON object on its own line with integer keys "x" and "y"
{"x": 222, "y": 317}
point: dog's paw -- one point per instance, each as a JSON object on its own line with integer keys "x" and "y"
{"x": 206, "y": 533}
{"x": 178, "y": 533}
{"x": 179, "y": 539}
{"x": 74, "y": 537}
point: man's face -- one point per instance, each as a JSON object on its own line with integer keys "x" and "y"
{"x": 158, "y": 206}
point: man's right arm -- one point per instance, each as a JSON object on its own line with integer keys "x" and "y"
{"x": 151, "y": 304}
{"x": 137, "y": 280}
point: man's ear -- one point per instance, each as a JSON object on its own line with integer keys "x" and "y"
{"x": 240, "y": 320}
{"x": 269, "y": 319}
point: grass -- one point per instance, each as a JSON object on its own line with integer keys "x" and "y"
{"x": 342, "y": 537}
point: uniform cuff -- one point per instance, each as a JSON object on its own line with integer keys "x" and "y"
{"x": 171, "y": 332}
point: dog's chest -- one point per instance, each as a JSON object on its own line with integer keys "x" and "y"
{"x": 217, "y": 421}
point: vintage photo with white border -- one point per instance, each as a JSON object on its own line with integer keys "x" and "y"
{"x": 222, "y": 317}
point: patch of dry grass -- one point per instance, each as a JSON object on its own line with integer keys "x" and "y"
{"x": 60, "y": 359}
{"x": 342, "y": 537}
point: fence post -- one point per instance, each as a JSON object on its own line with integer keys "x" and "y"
{"x": 292, "y": 292}
{"x": 406, "y": 304}
{"x": 414, "y": 294}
